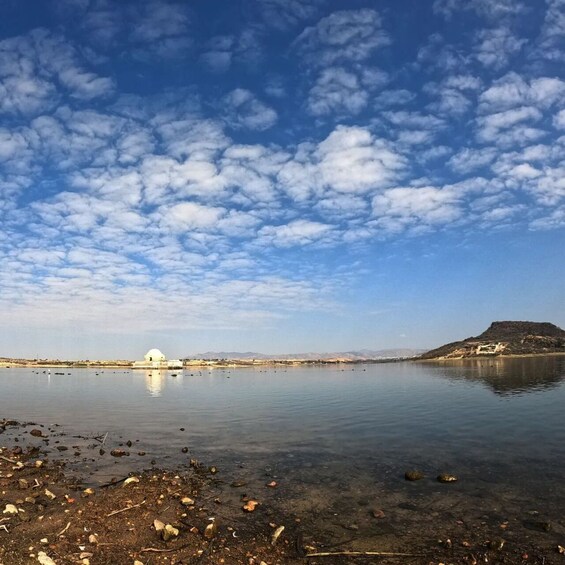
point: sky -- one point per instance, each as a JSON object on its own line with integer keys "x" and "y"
{"x": 277, "y": 175}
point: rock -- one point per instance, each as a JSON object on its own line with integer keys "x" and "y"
{"x": 118, "y": 453}
{"x": 561, "y": 549}
{"x": 158, "y": 525}
{"x": 38, "y": 464}
{"x": 10, "y": 510}
{"x": 137, "y": 562}
{"x": 88, "y": 491}
{"x": 169, "y": 532}
{"x": 44, "y": 559}
{"x": 276, "y": 534}
{"x": 184, "y": 449}
{"x": 250, "y": 505}
{"x": 23, "y": 484}
{"x": 129, "y": 443}
{"x": 36, "y": 433}
{"x": 413, "y": 475}
{"x": 213, "y": 470}
{"x": 446, "y": 478}
{"x": 210, "y": 530}
{"x": 49, "y": 495}
{"x": 131, "y": 480}
{"x": 62, "y": 448}
{"x": 93, "y": 539}
{"x": 187, "y": 501}
{"x": 272, "y": 484}
{"x": 377, "y": 513}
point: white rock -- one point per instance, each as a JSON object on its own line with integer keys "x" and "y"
{"x": 44, "y": 559}
{"x": 10, "y": 509}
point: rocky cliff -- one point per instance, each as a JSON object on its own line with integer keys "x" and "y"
{"x": 505, "y": 338}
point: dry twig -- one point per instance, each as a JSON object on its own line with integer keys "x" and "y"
{"x": 124, "y": 509}
{"x": 360, "y": 554}
{"x": 64, "y": 530}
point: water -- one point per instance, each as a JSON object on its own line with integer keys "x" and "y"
{"x": 499, "y": 424}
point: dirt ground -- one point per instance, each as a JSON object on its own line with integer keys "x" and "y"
{"x": 199, "y": 515}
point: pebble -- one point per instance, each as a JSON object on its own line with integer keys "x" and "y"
{"x": 169, "y": 532}
{"x": 250, "y": 505}
{"x": 187, "y": 501}
{"x": 447, "y": 478}
{"x": 10, "y": 509}
{"x": 413, "y": 475}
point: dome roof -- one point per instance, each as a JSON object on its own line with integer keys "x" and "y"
{"x": 154, "y": 355}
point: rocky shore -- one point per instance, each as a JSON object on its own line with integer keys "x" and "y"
{"x": 199, "y": 513}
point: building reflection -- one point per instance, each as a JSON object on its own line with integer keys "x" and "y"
{"x": 154, "y": 382}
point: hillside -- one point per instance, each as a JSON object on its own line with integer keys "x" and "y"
{"x": 505, "y": 338}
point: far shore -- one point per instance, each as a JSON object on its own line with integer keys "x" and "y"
{"x": 190, "y": 364}
{"x": 11, "y": 363}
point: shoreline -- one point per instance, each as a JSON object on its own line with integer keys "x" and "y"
{"x": 72, "y": 519}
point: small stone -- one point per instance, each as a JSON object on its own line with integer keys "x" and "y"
{"x": 44, "y": 559}
{"x": 10, "y": 509}
{"x": 210, "y": 530}
{"x": 62, "y": 448}
{"x": 158, "y": 525}
{"x": 118, "y": 453}
{"x": 169, "y": 532}
{"x": 137, "y": 562}
{"x": 38, "y": 464}
{"x": 413, "y": 475}
{"x": 49, "y": 495}
{"x": 187, "y": 501}
{"x": 131, "y": 480}
{"x": 36, "y": 433}
{"x": 44, "y": 541}
{"x": 23, "y": 484}
{"x": 88, "y": 491}
{"x": 377, "y": 513}
{"x": 93, "y": 539}
{"x": 446, "y": 478}
{"x": 213, "y": 470}
{"x": 272, "y": 484}
{"x": 276, "y": 534}
{"x": 184, "y": 449}
{"x": 561, "y": 549}
{"x": 250, "y": 505}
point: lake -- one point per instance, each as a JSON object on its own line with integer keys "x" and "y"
{"x": 339, "y": 437}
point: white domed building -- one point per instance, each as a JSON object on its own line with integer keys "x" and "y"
{"x": 154, "y": 359}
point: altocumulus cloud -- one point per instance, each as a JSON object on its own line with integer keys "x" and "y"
{"x": 188, "y": 170}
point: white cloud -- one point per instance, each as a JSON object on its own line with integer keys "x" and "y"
{"x": 298, "y": 232}
{"x": 490, "y": 9}
{"x": 337, "y": 91}
{"x": 513, "y": 90}
{"x": 399, "y": 208}
{"x": 34, "y": 67}
{"x": 243, "y": 109}
{"x": 559, "y": 119}
{"x": 343, "y": 36}
{"x": 491, "y": 126}
{"x": 351, "y": 159}
{"x": 496, "y": 47}
{"x": 191, "y": 216}
{"x": 468, "y": 159}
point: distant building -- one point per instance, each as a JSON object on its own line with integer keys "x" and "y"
{"x": 154, "y": 359}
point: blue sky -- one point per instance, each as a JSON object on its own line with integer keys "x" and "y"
{"x": 277, "y": 175}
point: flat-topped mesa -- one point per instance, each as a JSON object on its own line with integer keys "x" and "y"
{"x": 512, "y": 330}
{"x": 505, "y": 338}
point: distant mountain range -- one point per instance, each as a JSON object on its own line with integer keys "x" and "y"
{"x": 362, "y": 354}
{"x": 505, "y": 338}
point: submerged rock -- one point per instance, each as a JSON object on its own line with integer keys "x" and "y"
{"x": 413, "y": 475}
{"x": 447, "y": 478}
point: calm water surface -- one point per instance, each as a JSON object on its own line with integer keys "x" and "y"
{"x": 337, "y": 439}
{"x": 487, "y": 412}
